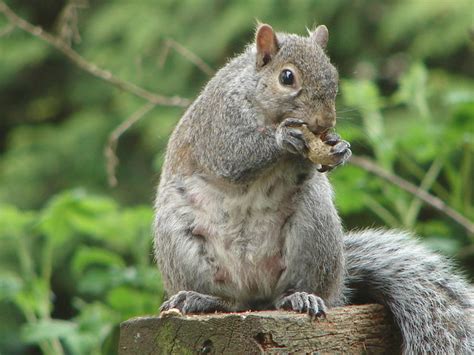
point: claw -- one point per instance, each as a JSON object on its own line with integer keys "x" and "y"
{"x": 295, "y": 133}
{"x": 340, "y": 147}
{"x": 303, "y": 302}
{"x": 289, "y": 136}
{"x": 325, "y": 168}
{"x": 193, "y": 302}
{"x": 332, "y": 139}
{"x": 289, "y": 122}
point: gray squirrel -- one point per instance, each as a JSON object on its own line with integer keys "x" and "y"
{"x": 245, "y": 222}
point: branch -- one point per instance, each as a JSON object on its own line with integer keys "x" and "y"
{"x": 155, "y": 99}
{"x": 111, "y": 147}
{"x": 186, "y": 53}
{"x": 68, "y": 21}
{"x": 89, "y": 67}
{"x": 429, "y": 199}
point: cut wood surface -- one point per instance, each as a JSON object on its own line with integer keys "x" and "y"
{"x": 364, "y": 329}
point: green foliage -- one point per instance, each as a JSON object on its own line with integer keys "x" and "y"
{"x": 100, "y": 251}
{"x": 418, "y": 119}
{"x": 47, "y": 330}
{"x": 75, "y": 255}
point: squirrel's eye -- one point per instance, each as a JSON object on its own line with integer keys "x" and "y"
{"x": 287, "y": 77}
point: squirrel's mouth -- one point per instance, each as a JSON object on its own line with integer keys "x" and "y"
{"x": 319, "y": 130}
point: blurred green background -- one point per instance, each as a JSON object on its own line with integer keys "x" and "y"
{"x": 75, "y": 254}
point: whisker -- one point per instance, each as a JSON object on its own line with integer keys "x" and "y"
{"x": 346, "y": 117}
{"x": 347, "y": 109}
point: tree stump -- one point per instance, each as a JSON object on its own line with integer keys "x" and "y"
{"x": 364, "y": 329}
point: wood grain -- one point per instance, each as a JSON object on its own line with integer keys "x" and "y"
{"x": 364, "y": 329}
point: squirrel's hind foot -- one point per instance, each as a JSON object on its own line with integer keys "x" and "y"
{"x": 303, "y": 302}
{"x": 194, "y": 302}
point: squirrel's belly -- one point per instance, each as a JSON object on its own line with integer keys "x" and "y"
{"x": 248, "y": 267}
{"x": 242, "y": 237}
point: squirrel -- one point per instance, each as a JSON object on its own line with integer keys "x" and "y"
{"x": 244, "y": 221}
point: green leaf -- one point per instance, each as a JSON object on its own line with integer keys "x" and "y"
{"x": 95, "y": 321}
{"x": 350, "y": 185}
{"x": 87, "y": 256}
{"x": 96, "y": 281}
{"x": 135, "y": 224}
{"x": 15, "y": 223}
{"x": 19, "y": 51}
{"x": 413, "y": 89}
{"x": 72, "y": 212}
{"x": 10, "y": 285}
{"x": 364, "y": 95}
{"x": 131, "y": 302}
{"x": 34, "y": 297}
{"x": 55, "y": 223}
{"x": 47, "y": 330}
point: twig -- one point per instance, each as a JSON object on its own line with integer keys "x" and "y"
{"x": 155, "y": 99}
{"x": 111, "y": 147}
{"x": 186, "y": 53}
{"x": 67, "y": 24}
{"x": 425, "y": 185}
{"x": 381, "y": 211}
{"x": 89, "y": 67}
{"x": 429, "y": 199}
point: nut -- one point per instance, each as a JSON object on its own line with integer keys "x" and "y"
{"x": 318, "y": 151}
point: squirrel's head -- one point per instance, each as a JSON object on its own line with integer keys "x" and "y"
{"x": 295, "y": 78}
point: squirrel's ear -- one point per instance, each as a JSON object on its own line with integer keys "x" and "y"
{"x": 320, "y": 35}
{"x": 267, "y": 44}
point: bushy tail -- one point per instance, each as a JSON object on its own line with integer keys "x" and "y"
{"x": 430, "y": 303}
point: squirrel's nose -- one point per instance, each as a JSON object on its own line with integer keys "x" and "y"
{"x": 319, "y": 128}
{"x": 324, "y": 119}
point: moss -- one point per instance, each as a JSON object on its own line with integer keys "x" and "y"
{"x": 167, "y": 342}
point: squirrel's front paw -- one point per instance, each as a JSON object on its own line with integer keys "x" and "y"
{"x": 193, "y": 302}
{"x": 290, "y": 138}
{"x": 339, "y": 153}
{"x": 303, "y": 302}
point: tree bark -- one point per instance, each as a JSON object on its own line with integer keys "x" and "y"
{"x": 364, "y": 329}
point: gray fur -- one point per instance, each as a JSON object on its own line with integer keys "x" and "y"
{"x": 244, "y": 221}
{"x": 303, "y": 302}
{"x": 429, "y": 302}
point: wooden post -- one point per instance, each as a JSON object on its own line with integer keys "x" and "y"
{"x": 364, "y": 329}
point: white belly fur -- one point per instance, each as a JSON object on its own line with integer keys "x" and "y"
{"x": 242, "y": 232}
